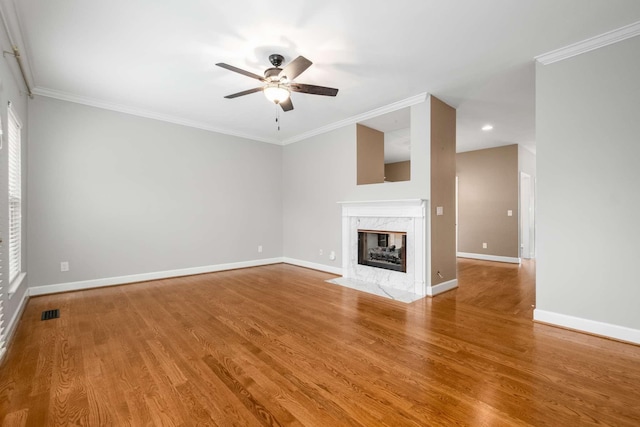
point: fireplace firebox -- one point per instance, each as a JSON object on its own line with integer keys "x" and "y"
{"x": 383, "y": 249}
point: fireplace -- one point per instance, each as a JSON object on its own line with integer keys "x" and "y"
{"x": 374, "y": 228}
{"x": 383, "y": 249}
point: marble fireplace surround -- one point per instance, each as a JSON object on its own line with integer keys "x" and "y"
{"x": 407, "y": 216}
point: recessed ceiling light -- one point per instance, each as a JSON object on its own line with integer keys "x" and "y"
{"x": 487, "y": 127}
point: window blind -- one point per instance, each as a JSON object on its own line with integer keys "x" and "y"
{"x": 15, "y": 197}
{"x": 3, "y": 339}
{"x": 3, "y": 293}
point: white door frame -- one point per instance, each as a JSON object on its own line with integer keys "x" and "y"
{"x": 526, "y": 220}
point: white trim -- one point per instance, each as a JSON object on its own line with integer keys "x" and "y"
{"x": 121, "y": 280}
{"x": 16, "y": 284}
{"x": 585, "y": 325}
{"x": 383, "y": 203}
{"x": 442, "y": 287}
{"x": 13, "y": 323}
{"x": 313, "y": 265}
{"x": 485, "y": 257}
{"x": 417, "y": 99}
{"x": 134, "y": 111}
{"x": 592, "y": 43}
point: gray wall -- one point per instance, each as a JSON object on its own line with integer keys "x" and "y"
{"x": 118, "y": 195}
{"x": 318, "y": 172}
{"x": 114, "y": 194}
{"x": 588, "y": 148}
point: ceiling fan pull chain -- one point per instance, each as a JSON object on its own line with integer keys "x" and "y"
{"x": 278, "y": 117}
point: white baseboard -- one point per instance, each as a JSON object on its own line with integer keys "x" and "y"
{"x": 313, "y": 265}
{"x": 442, "y": 287}
{"x": 486, "y": 257}
{"x": 590, "y": 326}
{"x": 121, "y": 280}
{"x": 13, "y": 323}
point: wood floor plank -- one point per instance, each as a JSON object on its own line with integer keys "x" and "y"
{"x": 277, "y": 345}
{"x": 16, "y": 419}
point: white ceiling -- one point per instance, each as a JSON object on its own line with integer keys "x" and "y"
{"x": 156, "y": 58}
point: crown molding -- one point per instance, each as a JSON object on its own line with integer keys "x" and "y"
{"x": 64, "y": 96}
{"x": 592, "y": 43}
{"x": 417, "y": 99}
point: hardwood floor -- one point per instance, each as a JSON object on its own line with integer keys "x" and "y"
{"x": 276, "y": 345}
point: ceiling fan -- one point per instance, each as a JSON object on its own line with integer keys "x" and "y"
{"x": 278, "y": 82}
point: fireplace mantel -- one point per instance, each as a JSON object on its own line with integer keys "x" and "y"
{"x": 385, "y": 208}
{"x": 404, "y": 215}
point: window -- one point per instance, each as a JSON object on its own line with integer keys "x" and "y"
{"x": 15, "y": 197}
{"x": 3, "y": 341}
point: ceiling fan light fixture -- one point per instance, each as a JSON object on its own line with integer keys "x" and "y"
{"x": 276, "y": 93}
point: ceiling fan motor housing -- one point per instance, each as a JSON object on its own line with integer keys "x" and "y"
{"x": 276, "y": 59}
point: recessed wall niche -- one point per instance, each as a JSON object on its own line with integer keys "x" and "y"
{"x": 384, "y": 148}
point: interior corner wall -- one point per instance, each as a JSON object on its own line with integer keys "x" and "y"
{"x": 117, "y": 195}
{"x": 443, "y": 192}
{"x": 487, "y": 189}
{"x": 588, "y": 125}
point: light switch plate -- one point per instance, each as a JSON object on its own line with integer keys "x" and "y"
{"x": 509, "y": 212}
{"x": 439, "y": 210}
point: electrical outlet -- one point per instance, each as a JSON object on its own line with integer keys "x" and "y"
{"x": 64, "y": 266}
{"x": 332, "y": 256}
{"x": 509, "y": 212}
{"x": 259, "y": 248}
{"x": 484, "y": 246}
{"x": 320, "y": 252}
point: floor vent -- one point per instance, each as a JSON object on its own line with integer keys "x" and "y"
{"x": 50, "y": 314}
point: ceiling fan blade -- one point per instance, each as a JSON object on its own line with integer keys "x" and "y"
{"x": 287, "y": 105}
{"x": 245, "y": 92}
{"x": 295, "y": 68}
{"x": 240, "y": 71}
{"x": 313, "y": 90}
